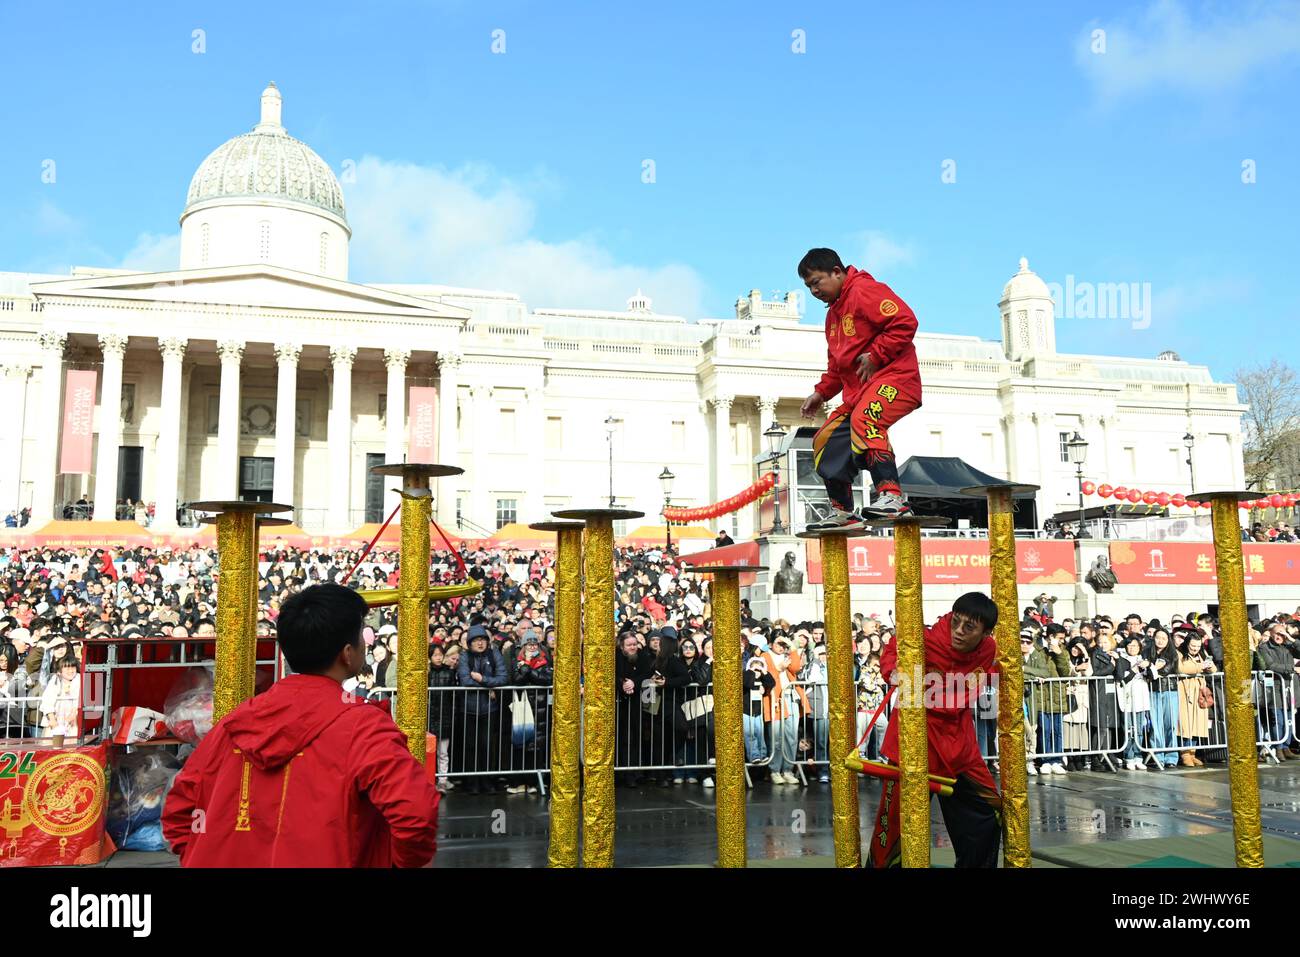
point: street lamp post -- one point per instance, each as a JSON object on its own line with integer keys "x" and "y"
{"x": 609, "y": 437}
{"x": 666, "y": 480}
{"x": 1077, "y": 449}
{"x": 775, "y": 436}
{"x": 1188, "y": 441}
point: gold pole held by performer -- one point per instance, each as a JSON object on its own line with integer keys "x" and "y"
{"x": 1243, "y": 773}
{"x": 236, "y": 523}
{"x": 598, "y": 659}
{"x": 1011, "y": 679}
{"x": 728, "y": 702}
{"x": 566, "y": 774}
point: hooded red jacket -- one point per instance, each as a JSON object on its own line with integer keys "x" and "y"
{"x": 304, "y": 775}
{"x": 949, "y": 722}
{"x": 868, "y": 317}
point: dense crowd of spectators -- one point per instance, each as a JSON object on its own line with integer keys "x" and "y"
{"x": 1092, "y": 686}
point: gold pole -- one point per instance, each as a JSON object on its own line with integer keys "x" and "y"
{"x": 413, "y": 615}
{"x": 845, "y": 821}
{"x": 913, "y": 746}
{"x": 566, "y": 777}
{"x": 250, "y": 639}
{"x": 1243, "y": 773}
{"x": 728, "y": 697}
{"x": 598, "y": 696}
{"x": 236, "y": 537}
{"x": 1011, "y": 681}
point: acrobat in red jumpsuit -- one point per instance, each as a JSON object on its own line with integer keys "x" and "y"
{"x": 973, "y": 813}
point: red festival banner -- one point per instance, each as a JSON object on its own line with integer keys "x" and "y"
{"x": 78, "y": 421}
{"x": 952, "y": 561}
{"x": 1192, "y": 563}
{"x": 52, "y": 805}
{"x": 419, "y": 439}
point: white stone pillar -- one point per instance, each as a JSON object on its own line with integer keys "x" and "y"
{"x": 226, "y": 485}
{"x": 45, "y": 475}
{"x": 395, "y": 426}
{"x": 721, "y": 447}
{"x": 286, "y": 420}
{"x": 340, "y": 440}
{"x": 532, "y": 508}
{"x": 766, "y": 416}
{"x": 481, "y": 508}
{"x": 110, "y": 427}
{"x": 167, "y": 461}
{"x": 11, "y": 436}
{"x": 448, "y": 439}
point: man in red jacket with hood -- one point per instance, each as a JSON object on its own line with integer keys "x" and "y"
{"x": 306, "y": 775}
{"x": 872, "y": 363}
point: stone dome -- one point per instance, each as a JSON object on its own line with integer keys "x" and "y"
{"x": 267, "y": 164}
{"x": 1025, "y": 284}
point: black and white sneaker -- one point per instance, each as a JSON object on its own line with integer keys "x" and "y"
{"x": 887, "y": 505}
{"x": 837, "y": 518}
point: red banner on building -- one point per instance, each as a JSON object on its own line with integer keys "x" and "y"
{"x": 78, "y": 421}
{"x": 52, "y": 806}
{"x": 952, "y": 561}
{"x": 420, "y": 430}
{"x": 1192, "y": 563}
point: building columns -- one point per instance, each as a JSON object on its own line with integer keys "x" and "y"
{"x": 721, "y": 445}
{"x": 448, "y": 439}
{"x": 168, "y": 458}
{"x": 286, "y": 421}
{"x": 532, "y": 507}
{"x": 50, "y": 411}
{"x": 482, "y": 509}
{"x": 226, "y": 484}
{"x": 110, "y": 427}
{"x": 340, "y": 439}
{"x": 11, "y": 436}
{"x": 395, "y": 417}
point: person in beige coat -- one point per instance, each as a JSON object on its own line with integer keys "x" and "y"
{"x": 1193, "y": 720}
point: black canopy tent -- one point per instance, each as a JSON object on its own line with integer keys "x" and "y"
{"x": 933, "y": 485}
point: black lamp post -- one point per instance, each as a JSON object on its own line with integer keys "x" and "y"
{"x": 1188, "y": 441}
{"x": 775, "y": 435}
{"x": 1077, "y": 449}
{"x": 666, "y": 480}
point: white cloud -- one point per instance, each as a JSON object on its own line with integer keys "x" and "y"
{"x": 880, "y": 253}
{"x": 154, "y": 253}
{"x": 468, "y": 227}
{"x": 1164, "y": 48}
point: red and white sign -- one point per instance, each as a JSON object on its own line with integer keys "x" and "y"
{"x": 1192, "y": 563}
{"x": 951, "y": 561}
{"x": 52, "y": 805}
{"x": 132, "y": 725}
{"x": 420, "y": 428}
{"x": 78, "y": 421}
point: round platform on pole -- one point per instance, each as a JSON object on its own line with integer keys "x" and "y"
{"x": 715, "y": 569}
{"x": 1232, "y": 494}
{"x": 262, "y": 521}
{"x": 920, "y": 521}
{"x": 856, "y": 531}
{"x": 423, "y": 469}
{"x": 556, "y": 526}
{"x": 259, "y": 508}
{"x": 587, "y": 514}
{"x": 1015, "y": 488}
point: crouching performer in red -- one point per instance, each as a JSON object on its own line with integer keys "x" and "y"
{"x": 959, "y": 651}
{"x": 306, "y": 775}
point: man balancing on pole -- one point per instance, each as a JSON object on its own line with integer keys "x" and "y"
{"x": 872, "y": 362}
{"x": 959, "y": 651}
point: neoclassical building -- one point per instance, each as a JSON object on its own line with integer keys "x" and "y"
{"x": 257, "y": 369}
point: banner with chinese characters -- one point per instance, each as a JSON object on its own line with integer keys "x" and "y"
{"x": 78, "y": 422}
{"x": 52, "y": 805}
{"x": 1192, "y": 563}
{"x": 420, "y": 435}
{"x": 952, "y": 561}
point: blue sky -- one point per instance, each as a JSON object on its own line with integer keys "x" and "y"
{"x": 523, "y": 169}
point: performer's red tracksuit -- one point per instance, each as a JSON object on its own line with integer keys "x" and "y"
{"x": 303, "y": 775}
{"x": 867, "y": 317}
{"x": 973, "y": 813}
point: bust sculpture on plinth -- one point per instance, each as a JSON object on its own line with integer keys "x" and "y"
{"x": 789, "y": 580}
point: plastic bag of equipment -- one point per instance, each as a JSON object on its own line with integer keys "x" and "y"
{"x": 139, "y": 785}
{"x": 188, "y": 711}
